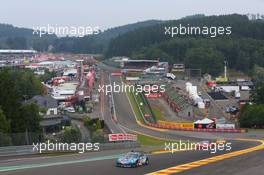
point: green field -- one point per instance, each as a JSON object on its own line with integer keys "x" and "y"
{"x": 151, "y": 141}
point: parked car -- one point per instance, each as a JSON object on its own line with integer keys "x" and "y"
{"x": 231, "y": 110}
{"x": 70, "y": 109}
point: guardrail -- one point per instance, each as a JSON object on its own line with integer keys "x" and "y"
{"x": 16, "y": 150}
{"x": 28, "y": 149}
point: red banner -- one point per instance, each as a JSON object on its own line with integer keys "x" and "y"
{"x": 116, "y": 73}
{"x": 122, "y": 137}
{"x": 153, "y": 95}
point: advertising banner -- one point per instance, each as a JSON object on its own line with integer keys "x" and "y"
{"x": 122, "y": 137}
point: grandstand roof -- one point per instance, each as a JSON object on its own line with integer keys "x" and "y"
{"x": 12, "y": 51}
{"x": 128, "y": 60}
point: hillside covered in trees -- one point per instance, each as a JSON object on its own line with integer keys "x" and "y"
{"x": 97, "y": 43}
{"x": 22, "y": 38}
{"x": 242, "y": 49}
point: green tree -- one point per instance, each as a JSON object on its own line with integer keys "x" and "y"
{"x": 98, "y": 124}
{"x": 71, "y": 135}
{"x": 17, "y": 43}
{"x": 258, "y": 74}
{"x": 29, "y": 118}
{"x": 252, "y": 116}
{"x": 98, "y": 136}
{"x": 5, "y": 139}
{"x": 9, "y": 99}
{"x": 258, "y": 94}
{"x": 16, "y": 86}
{"x": 47, "y": 76}
{"x": 88, "y": 122}
{"x": 41, "y": 44}
{"x": 4, "y": 124}
{"x": 209, "y": 60}
{"x": 27, "y": 84}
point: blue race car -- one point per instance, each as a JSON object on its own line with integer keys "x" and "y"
{"x": 132, "y": 159}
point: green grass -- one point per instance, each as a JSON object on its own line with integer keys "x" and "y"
{"x": 58, "y": 153}
{"x": 145, "y": 108}
{"x": 135, "y": 107}
{"x": 150, "y": 141}
{"x": 134, "y": 74}
{"x": 147, "y": 141}
{"x": 251, "y": 129}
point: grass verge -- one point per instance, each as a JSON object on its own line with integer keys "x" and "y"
{"x": 253, "y": 130}
{"x": 151, "y": 141}
{"x": 135, "y": 107}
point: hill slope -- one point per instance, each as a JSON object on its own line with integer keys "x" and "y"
{"x": 97, "y": 43}
{"x": 22, "y": 38}
{"x": 242, "y": 49}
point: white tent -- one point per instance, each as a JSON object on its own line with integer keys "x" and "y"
{"x": 197, "y": 122}
{"x": 204, "y": 121}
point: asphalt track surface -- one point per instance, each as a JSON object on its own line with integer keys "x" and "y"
{"x": 251, "y": 163}
{"x": 104, "y": 162}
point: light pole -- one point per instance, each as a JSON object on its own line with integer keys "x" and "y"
{"x": 225, "y": 62}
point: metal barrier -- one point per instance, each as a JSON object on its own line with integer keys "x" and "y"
{"x": 28, "y": 149}
{"x": 16, "y": 150}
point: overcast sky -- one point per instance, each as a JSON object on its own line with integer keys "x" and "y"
{"x": 111, "y": 13}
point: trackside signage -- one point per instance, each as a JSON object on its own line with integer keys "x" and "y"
{"x": 153, "y": 95}
{"x": 122, "y": 137}
{"x": 225, "y": 126}
{"x": 116, "y": 73}
{"x": 177, "y": 125}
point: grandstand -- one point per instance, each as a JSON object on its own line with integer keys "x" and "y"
{"x": 176, "y": 100}
{"x": 12, "y": 51}
{"x": 150, "y": 79}
{"x": 9, "y": 57}
{"x": 136, "y": 65}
